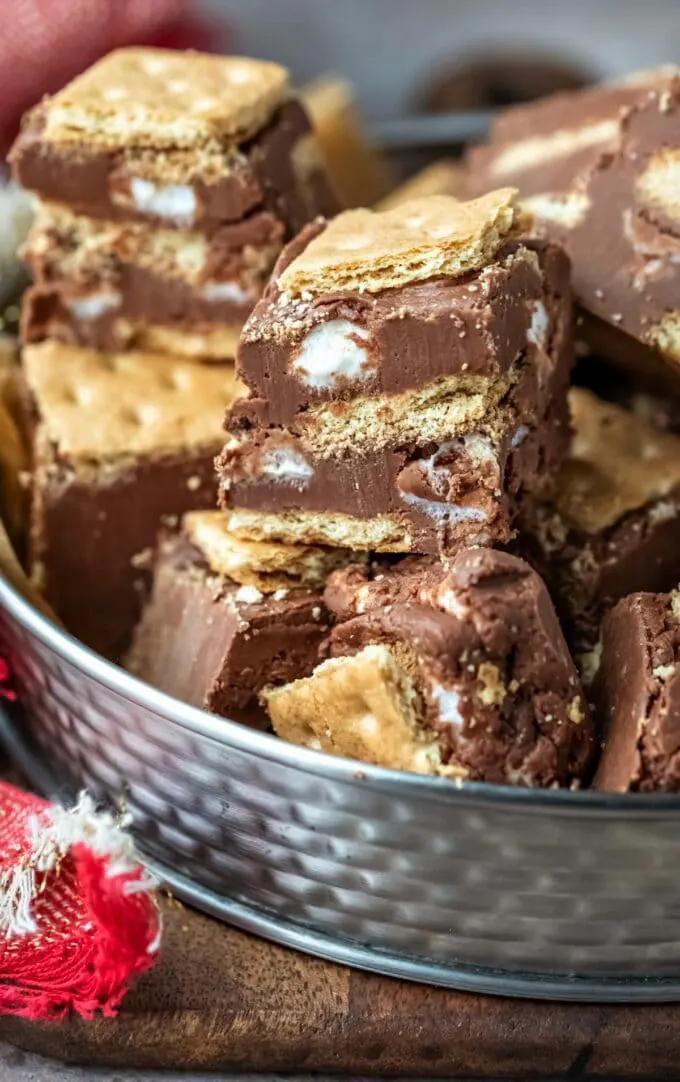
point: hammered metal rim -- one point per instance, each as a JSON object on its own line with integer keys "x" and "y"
{"x": 462, "y": 978}
{"x": 234, "y": 735}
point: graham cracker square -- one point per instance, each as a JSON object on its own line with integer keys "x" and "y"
{"x": 160, "y": 97}
{"x": 369, "y": 251}
{"x": 95, "y": 406}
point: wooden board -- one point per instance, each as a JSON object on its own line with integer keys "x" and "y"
{"x": 222, "y": 1000}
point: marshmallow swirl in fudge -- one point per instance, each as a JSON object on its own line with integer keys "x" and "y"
{"x": 638, "y": 693}
{"x": 613, "y": 524}
{"x": 228, "y": 616}
{"x": 408, "y": 377}
{"x": 599, "y": 171}
{"x": 461, "y": 672}
{"x": 543, "y": 146}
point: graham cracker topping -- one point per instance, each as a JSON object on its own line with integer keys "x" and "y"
{"x": 616, "y": 464}
{"x": 165, "y": 98}
{"x": 267, "y": 565}
{"x": 365, "y": 707}
{"x": 368, "y": 251}
{"x": 94, "y": 405}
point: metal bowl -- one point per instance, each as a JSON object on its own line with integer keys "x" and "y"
{"x": 494, "y": 889}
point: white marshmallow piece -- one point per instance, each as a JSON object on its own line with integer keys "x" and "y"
{"x": 538, "y": 331}
{"x": 225, "y": 291}
{"x": 520, "y": 435}
{"x": 330, "y": 352}
{"x": 444, "y": 512}
{"x": 287, "y": 466}
{"x": 93, "y": 305}
{"x": 175, "y": 201}
{"x": 448, "y": 704}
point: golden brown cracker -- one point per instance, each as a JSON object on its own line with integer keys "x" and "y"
{"x": 162, "y": 97}
{"x": 95, "y": 405}
{"x": 368, "y": 251}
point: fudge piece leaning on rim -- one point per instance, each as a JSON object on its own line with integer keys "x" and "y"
{"x": 460, "y": 672}
{"x": 407, "y": 374}
{"x": 228, "y": 616}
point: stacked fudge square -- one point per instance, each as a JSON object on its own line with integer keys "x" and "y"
{"x": 168, "y": 184}
{"x": 166, "y": 187}
{"x": 407, "y": 376}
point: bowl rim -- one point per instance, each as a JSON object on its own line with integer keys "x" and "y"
{"x": 232, "y": 734}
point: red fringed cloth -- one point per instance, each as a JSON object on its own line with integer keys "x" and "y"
{"x": 77, "y": 914}
{"x": 78, "y": 918}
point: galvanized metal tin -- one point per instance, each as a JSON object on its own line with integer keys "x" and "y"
{"x": 513, "y": 891}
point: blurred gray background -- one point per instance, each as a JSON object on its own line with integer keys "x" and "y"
{"x": 392, "y": 48}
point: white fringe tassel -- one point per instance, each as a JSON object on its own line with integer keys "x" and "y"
{"x": 52, "y": 834}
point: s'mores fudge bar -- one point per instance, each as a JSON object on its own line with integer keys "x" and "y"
{"x": 612, "y": 525}
{"x": 168, "y": 183}
{"x": 543, "y": 146}
{"x": 120, "y": 444}
{"x": 407, "y": 374}
{"x": 598, "y": 169}
{"x": 638, "y": 693}
{"x": 461, "y": 672}
{"x": 175, "y": 139}
{"x": 117, "y": 285}
{"x": 228, "y": 616}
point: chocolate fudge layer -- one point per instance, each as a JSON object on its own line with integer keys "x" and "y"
{"x": 615, "y": 210}
{"x": 638, "y": 693}
{"x": 177, "y": 139}
{"x": 543, "y": 146}
{"x": 227, "y": 617}
{"x": 399, "y": 399}
{"x": 121, "y": 443}
{"x": 613, "y": 524}
{"x": 107, "y": 285}
{"x": 461, "y": 672}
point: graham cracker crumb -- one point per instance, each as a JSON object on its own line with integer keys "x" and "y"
{"x": 369, "y": 251}
{"x": 575, "y": 711}
{"x": 493, "y": 691}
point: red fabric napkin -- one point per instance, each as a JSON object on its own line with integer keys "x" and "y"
{"x": 45, "y": 43}
{"x": 77, "y": 913}
{"x": 78, "y": 919}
